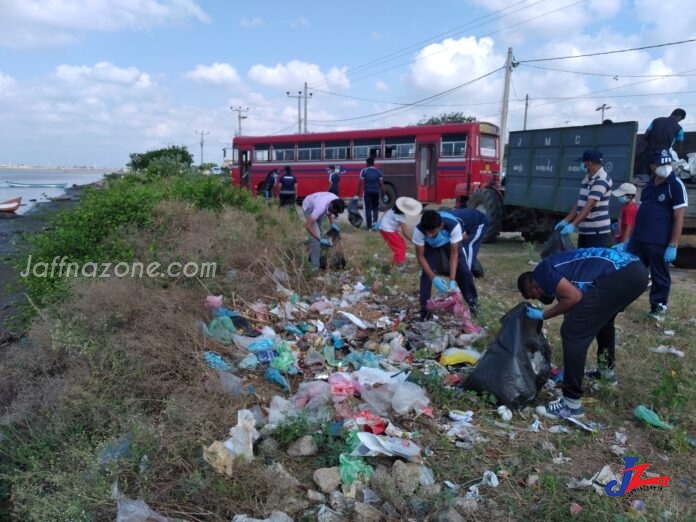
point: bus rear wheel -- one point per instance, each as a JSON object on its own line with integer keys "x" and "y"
{"x": 488, "y": 201}
{"x": 385, "y": 203}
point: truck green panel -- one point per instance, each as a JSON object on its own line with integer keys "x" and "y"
{"x": 542, "y": 170}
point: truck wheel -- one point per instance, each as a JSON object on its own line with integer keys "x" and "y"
{"x": 390, "y": 192}
{"x": 488, "y": 201}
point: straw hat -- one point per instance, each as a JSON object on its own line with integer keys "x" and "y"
{"x": 409, "y": 206}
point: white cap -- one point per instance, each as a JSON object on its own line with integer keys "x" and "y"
{"x": 625, "y": 188}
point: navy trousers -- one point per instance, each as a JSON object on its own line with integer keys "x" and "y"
{"x": 652, "y": 256}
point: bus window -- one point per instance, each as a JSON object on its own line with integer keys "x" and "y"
{"x": 309, "y": 151}
{"x": 453, "y": 146}
{"x": 362, "y": 149}
{"x": 284, "y": 152}
{"x": 336, "y": 150}
{"x": 262, "y": 153}
{"x": 488, "y": 146}
{"x": 400, "y": 147}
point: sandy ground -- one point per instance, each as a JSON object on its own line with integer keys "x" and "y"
{"x": 13, "y": 229}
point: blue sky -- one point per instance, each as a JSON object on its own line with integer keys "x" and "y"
{"x": 87, "y": 82}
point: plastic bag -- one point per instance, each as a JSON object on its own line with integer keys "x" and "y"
{"x": 409, "y": 396}
{"x": 517, "y": 365}
{"x": 350, "y": 467}
{"x": 556, "y": 243}
{"x": 354, "y": 216}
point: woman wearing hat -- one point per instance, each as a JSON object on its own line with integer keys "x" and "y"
{"x": 393, "y": 221}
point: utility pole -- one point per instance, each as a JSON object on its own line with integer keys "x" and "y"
{"x": 239, "y": 112}
{"x": 299, "y": 114}
{"x": 509, "y": 64}
{"x": 526, "y": 106}
{"x": 603, "y": 108}
{"x": 202, "y": 133}
{"x": 305, "y": 106}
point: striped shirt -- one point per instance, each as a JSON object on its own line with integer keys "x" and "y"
{"x": 598, "y": 187}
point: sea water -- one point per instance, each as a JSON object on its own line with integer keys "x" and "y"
{"x": 33, "y": 195}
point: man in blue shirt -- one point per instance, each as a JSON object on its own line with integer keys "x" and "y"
{"x": 658, "y": 228}
{"x": 447, "y": 243}
{"x": 590, "y": 286}
{"x": 664, "y": 133}
{"x": 371, "y": 185}
{"x": 287, "y": 188}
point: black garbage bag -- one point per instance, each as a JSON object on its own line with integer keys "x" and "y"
{"x": 516, "y": 366}
{"x": 556, "y": 243}
{"x": 354, "y": 216}
{"x": 332, "y": 257}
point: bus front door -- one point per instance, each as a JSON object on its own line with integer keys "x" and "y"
{"x": 245, "y": 169}
{"x": 426, "y": 172}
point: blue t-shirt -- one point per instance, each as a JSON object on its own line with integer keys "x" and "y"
{"x": 287, "y": 184}
{"x": 371, "y": 176}
{"x": 655, "y": 215}
{"x": 582, "y": 267}
{"x": 469, "y": 218}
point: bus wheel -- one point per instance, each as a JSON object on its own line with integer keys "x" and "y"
{"x": 489, "y": 202}
{"x": 390, "y": 193}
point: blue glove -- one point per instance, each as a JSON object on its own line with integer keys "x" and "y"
{"x": 621, "y": 247}
{"x": 440, "y": 284}
{"x": 535, "y": 313}
{"x": 335, "y": 227}
{"x": 568, "y": 229}
{"x": 325, "y": 242}
{"x": 560, "y": 225}
{"x": 670, "y": 254}
{"x": 453, "y": 286}
{"x": 385, "y": 199}
{"x": 355, "y": 198}
{"x": 614, "y": 228}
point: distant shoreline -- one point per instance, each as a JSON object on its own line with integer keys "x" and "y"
{"x": 62, "y": 169}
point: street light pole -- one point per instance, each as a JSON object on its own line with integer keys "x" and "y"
{"x": 305, "y": 106}
{"x": 239, "y": 111}
{"x": 202, "y": 133}
{"x": 603, "y": 108}
{"x": 299, "y": 109}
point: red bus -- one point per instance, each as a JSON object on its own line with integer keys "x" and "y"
{"x": 426, "y": 162}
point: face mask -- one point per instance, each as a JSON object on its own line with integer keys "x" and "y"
{"x": 623, "y": 200}
{"x": 663, "y": 170}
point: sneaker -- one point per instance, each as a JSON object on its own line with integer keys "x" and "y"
{"x": 603, "y": 375}
{"x": 474, "y": 308}
{"x": 425, "y": 315}
{"x": 560, "y": 409}
{"x": 658, "y": 312}
{"x": 375, "y": 227}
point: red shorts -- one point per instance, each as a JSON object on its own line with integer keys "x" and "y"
{"x": 396, "y": 243}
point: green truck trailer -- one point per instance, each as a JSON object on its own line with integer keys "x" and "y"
{"x": 542, "y": 179}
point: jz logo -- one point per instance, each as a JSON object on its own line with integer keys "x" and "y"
{"x": 631, "y": 479}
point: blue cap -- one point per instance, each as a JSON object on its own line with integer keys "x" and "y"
{"x": 591, "y": 155}
{"x": 661, "y": 157}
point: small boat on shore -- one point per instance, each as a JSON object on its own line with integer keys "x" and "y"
{"x": 17, "y": 184}
{"x": 10, "y": 205}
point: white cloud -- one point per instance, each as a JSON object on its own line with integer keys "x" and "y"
{"x": 249, "y": 23}
{"x": 381, "y": 86}
{"x": 217, "y": 74}
{"x": 445, "y": 65}
{"x": 40, "y": 24}
{"x": 300, "y": 23}
{"x": 293, "y": 75}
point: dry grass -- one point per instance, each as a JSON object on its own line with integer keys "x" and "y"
{"x": 124, "y": 356}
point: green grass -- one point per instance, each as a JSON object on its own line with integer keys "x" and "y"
{"x": 123, "y": 358}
